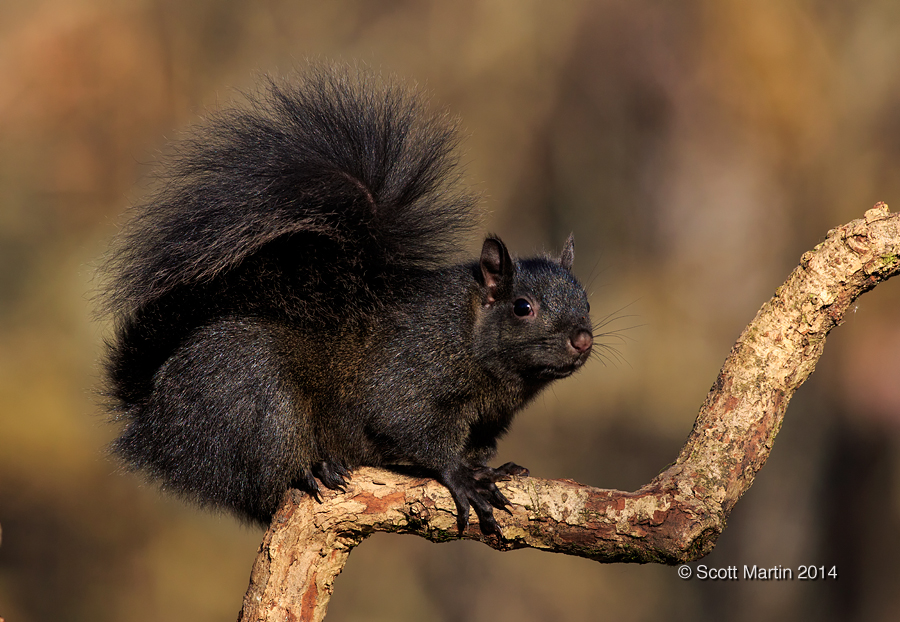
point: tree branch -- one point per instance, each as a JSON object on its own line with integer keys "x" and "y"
{"x": 675, "y": 518}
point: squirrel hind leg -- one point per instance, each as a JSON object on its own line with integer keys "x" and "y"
{"x": 222, "y": 425}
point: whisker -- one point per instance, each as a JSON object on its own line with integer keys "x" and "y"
{"x": 607, "y": 342}
{"x": 609, "y": 355}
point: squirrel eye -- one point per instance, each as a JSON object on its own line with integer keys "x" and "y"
{"x": 522, "y": 307}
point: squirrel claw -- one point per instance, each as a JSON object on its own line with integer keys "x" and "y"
{"x": 512, "y": 469}
{"x": 333, "y": 475}
{"x": 503, "y": 472}
{"x": 489, "y": 491}
{"x": 307, "y": 483}
{"x": 489, "y": 526}
{"x": 475, "y": 488}
{"x": 462, "y": 520}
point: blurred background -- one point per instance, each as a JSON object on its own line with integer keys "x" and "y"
{"x": 697, "y": 149}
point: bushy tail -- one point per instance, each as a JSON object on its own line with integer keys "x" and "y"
{"x": 339, "y": 154}
{"x": 316, "y": 193}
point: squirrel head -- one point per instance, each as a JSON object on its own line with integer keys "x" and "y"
{"x": 534, "y": 320}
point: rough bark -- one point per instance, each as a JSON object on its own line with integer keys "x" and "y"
{"x": 675, "y": 518}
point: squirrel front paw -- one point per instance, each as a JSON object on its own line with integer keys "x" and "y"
{"x": 502, "y": 472}
{"x": 476, "y": 488}
{"x": 333, "y": 475}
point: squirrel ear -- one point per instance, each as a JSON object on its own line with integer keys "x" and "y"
{"x": 567, "y": 257}
{"x": 496, "y": 269}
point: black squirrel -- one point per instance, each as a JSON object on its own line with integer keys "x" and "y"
{"x": 285, "y": 309}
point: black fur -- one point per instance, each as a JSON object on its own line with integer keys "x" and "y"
{"x": 285, "y": 310}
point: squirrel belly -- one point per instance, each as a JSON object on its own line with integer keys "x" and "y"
{"x": 285, "y": 309}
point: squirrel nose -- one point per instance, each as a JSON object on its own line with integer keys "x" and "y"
{"x": 582, "y": 341}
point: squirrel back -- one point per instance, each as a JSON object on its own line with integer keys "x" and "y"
{"x": 285, "y": 309}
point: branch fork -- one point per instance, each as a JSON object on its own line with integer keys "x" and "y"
{"x": 675, "y": 518}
